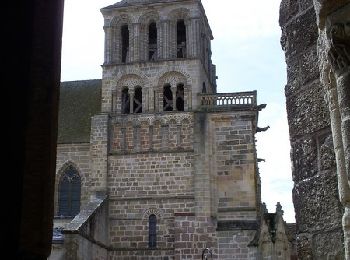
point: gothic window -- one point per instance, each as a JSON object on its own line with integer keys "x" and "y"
{"x": 125, "y": 101}
{"x": 152, "y": 41}
{"x": 167, "y": 98}
{"x": 181, "y": 39}
{"x": 69, "y": 193}
{"x": 125, "y": 42}
{"x": 152, "y": 231}
{"x": 138, "y": 100}
{"x": 180, "y": 97}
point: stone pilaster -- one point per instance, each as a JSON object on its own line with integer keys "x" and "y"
{"x": 165, "y": 38}
{"x": 115, "y": 51}
{"x": 130, "y": 56}
{"x": 98, "y": 148}
{"x": 194, "y": 37}
{"x": 201, "y": 166}
{"x": 136, "y": 42}
{"x": 159, "y": 41}
{"x": 107, "y": 44}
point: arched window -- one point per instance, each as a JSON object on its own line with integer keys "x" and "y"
{"x": 167, "y": 98}
{"x": 69, "y": 193}
{"x": 152, "y": 231}
{"x": 180, "y": 104}
{"x": 181, "y": 39}
{"x": 152, "y": 41}
{"x": 125, "y": 42}
{"x": 125, "y": 101}
{"x": 138, "y": 100}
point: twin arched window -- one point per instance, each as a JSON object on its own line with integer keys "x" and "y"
{"x": 173, "y": 101}
{"x": 131, "y": 104}
{"x": 69, "y": 193}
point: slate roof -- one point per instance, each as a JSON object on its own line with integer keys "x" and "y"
{"x": 79, "y": 101}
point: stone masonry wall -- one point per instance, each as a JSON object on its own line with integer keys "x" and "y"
{"x": 315, "y": 193}
{"x": 150, "y": 172}
{"x": 233, "y": 244}
{"x": 235, "y": 164}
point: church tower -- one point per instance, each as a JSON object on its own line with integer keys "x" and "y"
{"x": 176, "y": 160}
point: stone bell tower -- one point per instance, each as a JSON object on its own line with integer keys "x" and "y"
{"x": 176, "y": 159}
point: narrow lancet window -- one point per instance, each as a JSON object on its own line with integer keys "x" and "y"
{"x": 138, "y": 100}
{"x": 125, "y": 43}
{"x": 181, "y": 39}
{"x": 152, "y": 233}
{"x": 180, "y": 104}
{"x": 125, "y": 109}
{"x": 152, "y": 41}
{"x": 167, "y": 98}
{"x": 69, "y": 193}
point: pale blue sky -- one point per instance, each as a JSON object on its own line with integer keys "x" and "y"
{"x": 246, "y": 50}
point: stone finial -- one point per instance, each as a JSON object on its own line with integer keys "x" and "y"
{"x": 279, "y": 209}
{"x": 264, "y": 208}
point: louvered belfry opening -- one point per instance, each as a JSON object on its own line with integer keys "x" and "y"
{"x": 152, "y": 225}
{"x": 180, "y": 103}
{"x": 152, "y": 41}
{"x": 69, "y": 193}
{"x": 181, "y": 39}
{"x": 125, "y": 43}
{"x": 138, "y": 100}
{"x": 125, "y": 101}
{"x": 167, "y": 98}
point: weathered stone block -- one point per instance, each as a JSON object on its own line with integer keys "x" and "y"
{"x": 304, "y": 159}
{"x": 305, "y": 4}
{"x": 304, "y": 245}
{"x": 300, "y": 34}
{"x": 329, "y": 245}
{"x": 316, "y": 203}
{"x": 307, "y": 111}
{"x": 288, "y": 9}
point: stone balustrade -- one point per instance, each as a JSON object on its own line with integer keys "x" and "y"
{"x": 227, "y": 100}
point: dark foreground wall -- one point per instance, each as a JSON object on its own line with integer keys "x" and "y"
{"x": 315, "y": 193}
{"x": 31, "y": 56}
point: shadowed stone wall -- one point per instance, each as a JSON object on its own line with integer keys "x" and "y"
{"x": 315, "y": 193}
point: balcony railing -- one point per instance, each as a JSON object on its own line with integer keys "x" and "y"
{"x": 228, "y": 100}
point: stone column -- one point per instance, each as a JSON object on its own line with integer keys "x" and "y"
{"x": 131, "y": 95}
{"x": 334, "y": 55}
{"x": 165, "y": 38}
{"x": 136, "y": 41}
{"x": 114, "y": 100}
{"x": 108, "y": 44}
{"x": 173, "y": 91}
{"x": 130, "y": 55}
{"x": 189, "y": 35}
{"x": 172, "y": 40}
{"x": 115, "y": 45}
{"x": 159, "y": 41}
{"x": 193, "y": 37}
